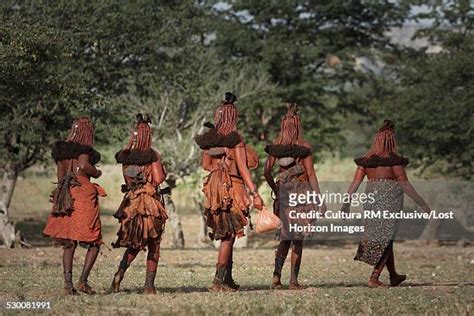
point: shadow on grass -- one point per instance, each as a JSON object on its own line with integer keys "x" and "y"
{"x": 267, "y": 241}
{"x": 438, "y": 284}
{"x": 190, "y": 289}
{"x": 191, "y": 265}
{"x": 243, "y": 289}
{"x": 181, "y": 289}
{"x": 407, "y": 284}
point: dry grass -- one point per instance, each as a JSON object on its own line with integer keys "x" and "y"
{"x": 440, "y": 278}
{"x": 438, "y": 283}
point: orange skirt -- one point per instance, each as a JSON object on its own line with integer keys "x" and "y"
{"x": 83, "y": 224}
{"x": 226, "y": 219}
{"x": 142, "y": 217}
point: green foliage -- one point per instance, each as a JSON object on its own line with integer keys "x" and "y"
{"x": 175, "y": 59}
{"x": 309, "y": 49}
{"x": 38, "y": 95}
{"x": 430, "y": 95}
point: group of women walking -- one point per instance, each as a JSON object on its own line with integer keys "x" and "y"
{"x": 229, "y": 193}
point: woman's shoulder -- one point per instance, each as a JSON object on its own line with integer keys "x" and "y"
{"x": 64, "y": 150}
{"x": 136, "y": 157}
{"x": 375, "y": 161}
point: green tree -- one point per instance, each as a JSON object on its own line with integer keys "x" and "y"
{"x": 115, "y": 49}
{"x": 310, "y": 49}
{"x": 429, "y": 93}
{"x": 38, "y": 97}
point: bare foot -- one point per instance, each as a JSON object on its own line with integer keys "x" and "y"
{"x": 276, "y": 283}
{"x": 70, "y": 291}
{"x": 85, "y": 288}
{"x": 149, "y": 290}
{"x": 231, "y": 283}
{"x": 374, "y": 283}
{"x": 397, "y": 279}
{"x": 295, "y": 287}
{"x": 221, "y": 288}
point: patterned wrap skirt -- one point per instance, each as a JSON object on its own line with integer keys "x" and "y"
{"x": 142, "y": 217}
{"x": 83, "y": 225}
{"x": 379, "y": 232}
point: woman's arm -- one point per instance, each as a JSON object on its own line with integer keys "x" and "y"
{"x": 267, "y": 173}
{"x": 358, "y": 178}
{"x": 313, "y": 179}
{"x": 311, "y": 173}
{"x": 158, "y": 172}
{"x": 86, "y": 167}
{"x": 206, "y": 161}
{"x": 241, "y": 160}
{"x": 354, "y": 186}
{"x": 402, "y": 179}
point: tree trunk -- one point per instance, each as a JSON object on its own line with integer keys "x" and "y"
{"x": 7, "y": 228}
{"x": 177, "y": 235}
{"x": 202, "y": 237}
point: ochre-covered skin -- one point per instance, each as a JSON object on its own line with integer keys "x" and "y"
{"x": 75, "y": 214}
{"x": 83, "y": 224}
{"x": 228, "y": 188}
{"x": 385, "y": 171}
{"x": 296, "y": 174}
{"x": 141, "y": 214}
{"x": 294, "y": 178}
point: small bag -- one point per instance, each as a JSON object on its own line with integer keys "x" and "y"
{"x": 266, "y": 221}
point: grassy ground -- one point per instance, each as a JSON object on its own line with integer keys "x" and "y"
{"x": 440, "y": 279}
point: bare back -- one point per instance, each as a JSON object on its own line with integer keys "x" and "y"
{"x": 381, "y": 172}
{"x": 64, "y": 165}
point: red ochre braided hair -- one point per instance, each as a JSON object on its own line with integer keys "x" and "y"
{"x": 291, "y": 132}
{"x": 226, "y": 115}
{"x": 81, "y": 132}
{"x": 385, "y": 142}
{"x": 140, "y": 138}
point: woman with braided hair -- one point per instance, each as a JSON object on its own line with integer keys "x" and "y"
{"x": 296, "y": 174}
{"x": 75, "y": 215}
{"x": 387, "y": 181}
{"x": 228, "y": 187}
{"x": 141, "y": 214}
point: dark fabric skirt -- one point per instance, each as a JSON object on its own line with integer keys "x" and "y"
{"x": 142, "y": 216}
{"x": 379, "y": 233}
{"x": 226, "y": 224}
{"x": 226, "y": 205}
